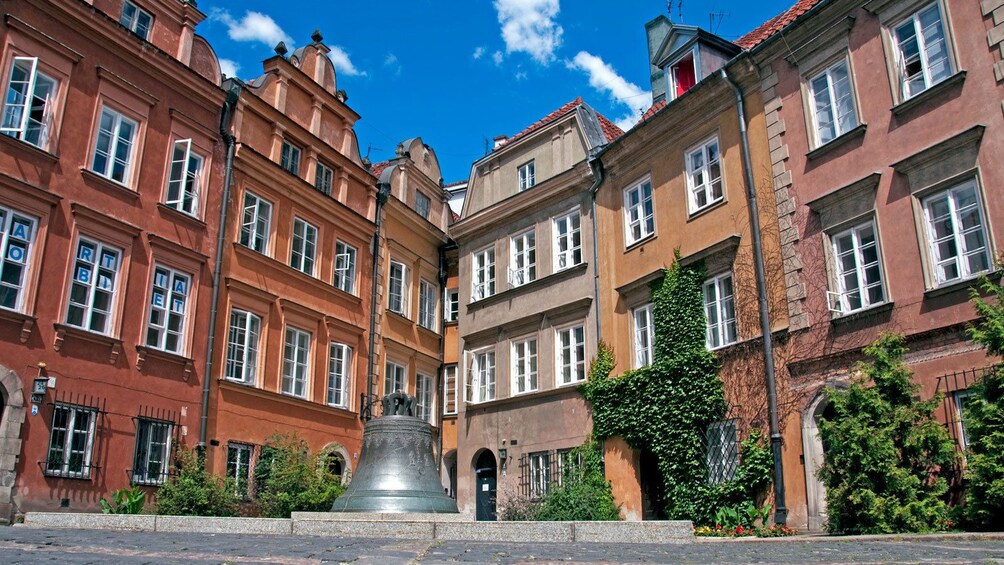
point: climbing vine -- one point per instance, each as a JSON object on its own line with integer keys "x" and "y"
{"x": 666, "y": 407}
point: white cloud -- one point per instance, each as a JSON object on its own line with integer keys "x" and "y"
{"x": 254, "y": 26}
{"x": 604, "y": 78}
{"x": 497, "y": 57}
{"x": 392, "y": 63}
{"x": 391, "y": 59}
{"x": 229, "y": 67}
{"x": 521, "y": 75}
{"x": 478, "y": 53}
{"x": 528, "y": 26}
{"x": 342, "y": 63}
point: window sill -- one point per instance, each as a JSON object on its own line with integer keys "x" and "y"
{"x": 639, "y": 242}
{"x": 247, "y": 252}
{"x": 429, "y": 331}
{"x": 24, "y": 147}
{"x": 557, "y": 391}
{"x": 288, "y": 399}
{"x": 713, "y": 206}
{"x": 178, "y": 214}
{"x": 64, "y": 330}
{"x": 862, "y": 313}
{"x": 145, "y": 351}
{"x": 949, "y": 83}
{"x": 852, "y": 135}
{"x": 108, "y": 183}
{"x": 401, "y": 316}
{"x": 510, "y": 293}
{"x": 963, "y": 284}
{"x": 27, "y": 322}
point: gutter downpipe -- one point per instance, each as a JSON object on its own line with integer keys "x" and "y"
{"x": 440, "y": 397}
{"x": 780, "y": 510}
{"x": 228, "y": 174}
{"x": 597, "y": 166}
{"x": 383, "y": 192}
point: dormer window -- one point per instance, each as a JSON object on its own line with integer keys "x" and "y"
{"x": 138, "y": 20}
{"x": 682, "y": 76}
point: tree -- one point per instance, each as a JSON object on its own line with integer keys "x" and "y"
{"x": 289, "y": 479}
{"x": 884, "y": 450}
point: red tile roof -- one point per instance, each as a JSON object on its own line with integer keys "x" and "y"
{"x": 610, "y": 130}
{"x": 377, "y": 168}
{"x": 651, "y": 111}
{"x": 775, "y": 24}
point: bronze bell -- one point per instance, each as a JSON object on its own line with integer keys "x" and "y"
{"x": 397, "y": 472}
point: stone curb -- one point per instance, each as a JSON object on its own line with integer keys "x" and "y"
{"x": 816, "y": 538}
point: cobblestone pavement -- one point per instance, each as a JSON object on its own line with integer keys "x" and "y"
{"x": 23, "y": 545}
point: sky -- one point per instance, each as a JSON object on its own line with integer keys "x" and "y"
{"x": 459, "y": 72}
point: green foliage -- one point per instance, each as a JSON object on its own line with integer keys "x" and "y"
{"x": 884, "y": 450}
{"x": 289, "y": 479}
{"x": 192, "y": 491}
{"x": 666, "y": 407}
{"x": 584, "y": 493}
{"x": 125, "y": 501}
{"x": 984, "y": 418}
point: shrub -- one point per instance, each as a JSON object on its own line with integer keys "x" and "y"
{"x": 192, "y": 491}
{"x": 289, "y": 479}
{"x": 584, "y": 492}
{"x": 125, "y": 501}
{"x": 884, "y": 450}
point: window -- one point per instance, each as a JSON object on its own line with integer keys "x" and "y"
{"x": 567, "y": 242}
{"x": 345, "y": 267}
{"x": 571, "y": 354}
{"x": 961, "y": 399}
{"x": 71, "y": 441}
{"x": 290, "y": 158}
{"x": 482, "y": 376}
{"x": 153, "y": 450}
{"x": 304, "y": 249}
{"x": 239, "y": 467}
{"x": 114, "y": 145}
{"x": 92, "y": 291}
{"x": 423, "y": 398}
{"x": 450, "y": 389}
{"x": 540, "y": 473}
{"x": 639, "y": 214}
{"x": 720, "y": 311}
{"x": 427, "y": 305}
{"x": 452, "y": 306}
{"x": 523, "y": 259}
{"x": 242, "y": 347}
{"x": 704, "y": 176}
{"x": 186, "y": 176}
{"x": 833, "y": 110}
{"x": 28, "y": 106}
{"x": 296, "y": 362}
{"x": 339, "y": 361}
{"x": 17, "y": 233}
{"x": 484, "y": 274}
{"x": 644, "y": 336}
{"x": 955, "y": 233}
{"x": 857, "y": 269}
{"x": 723, "y": 451}
{"x": 422, "y": 204}
{"x": 256, "y": 223}
{"x": 922, "y": 58}
{"x": 323, "y": 176}
{"x": 395, "y": 378}
{"x": 527, "y": 176}
{"x": 168, "y": 310}
{"x": 682, "y": 75}
{"x": 397, "y": 290}
{"x": 524, "y": 365}
{"x": 138, "y": 21}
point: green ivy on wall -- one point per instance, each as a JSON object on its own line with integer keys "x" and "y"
{"x": 665, "y": 408}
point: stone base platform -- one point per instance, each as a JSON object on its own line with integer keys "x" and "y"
{"x": 445, "y": 527}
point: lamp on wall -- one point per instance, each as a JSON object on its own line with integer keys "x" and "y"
{"x": 502, "y": 456}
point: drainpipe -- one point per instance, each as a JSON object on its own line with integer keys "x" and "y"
{"x": 228, "y": 174}
{"x": 597, "y": 166}
{"x": 440, "y": 397}
{"x": 780, "y": 511}
{"x": 365, "y": 411}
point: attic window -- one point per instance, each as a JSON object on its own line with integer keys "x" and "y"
{"x": 682, "y": 75}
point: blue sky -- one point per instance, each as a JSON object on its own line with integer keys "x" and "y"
{"x": 459, "y": 72}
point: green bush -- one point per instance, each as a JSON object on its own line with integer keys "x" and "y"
{"x": 125, "y": 501}
{"x": 584, "y": 493}
{"x": 289, "y": 479}
{"x": 884, "y": 450}
{"x": 192, "y": 491}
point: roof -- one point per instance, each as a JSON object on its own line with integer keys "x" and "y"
{"x": 651, "y": 111}
{"x": 610, "y": 130}
{"x": 377, "y": 168}
{"x": 775, "y": 24}
{"x": 455, "y": 184}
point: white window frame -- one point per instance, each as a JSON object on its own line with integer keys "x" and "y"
{"x": 296, "y": 358}
{"x": 567, "y": 241}
{"x": 959, "y": 400}
{"x": 424, "y": 400}
{"x": 427, "y": 304}
{"x": 150, "y": 466}
{"x": 61, "y": 452}
{"x": 481, "y": 378}
{"x": 345, "y": 267}
{"x": 923, "y": 56}
{"x": 27, "y": 113}
{"x": 483, "y": 271}
{"x": 243, "y": 337}
{"x": 527, "y": 175}
{"x": 17, "y": 239}
{"x": 540, "y": 473}
{"x": 717, "y": 334}
{"x": 957, "y": 239}
{"x": 289, "y": 158}
{"x": 570, "y": 354}
{"x": 339, "y": 370}
{"x": 842, "y": 300}
{"x": 94, "y": 277}
{"x": 523, "y": 258}
{"x": 256, "y": 223}
{"x": 706, "y": 187}
{"x": 525, "y": 365}
{"x": 398, "y": 288}
{"x": 184, "y": 184}
{"x": 133, "y": 17}
{"x": 303, "y": 246}
{"x": 395, "y": 377}
{"x": 239, "y": 467}
{"x": 639, "y": 212}
{"x": 833, "y": 100}
{"x": 168, "y": 304}
{"x": 451, "y": 304}
{"x": 450, "y": 374}
{"x": 423, "y": 204}
{"x": 723, "y": 455}
{"x": 644, "y": 335}
{"x": 323, "y": 177}
{"x": 107, "y": 144}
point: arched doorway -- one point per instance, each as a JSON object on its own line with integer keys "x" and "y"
{"x": 334, "y": 458}
{"x": 12, "y": 413}
{"x": 485, "y": 486}
{"x": 449, "y": 473}
{"x": 813, "y": 455}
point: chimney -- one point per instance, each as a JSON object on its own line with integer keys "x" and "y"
{"x": 499, "y": 141}
{"x": 656, "y": 32}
